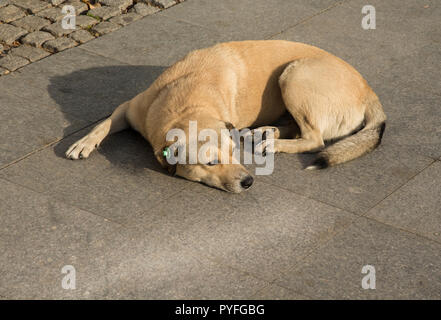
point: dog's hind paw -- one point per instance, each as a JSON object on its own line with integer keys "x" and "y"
{"x": 264, "y": 147}
{"x": 262, "y": 133}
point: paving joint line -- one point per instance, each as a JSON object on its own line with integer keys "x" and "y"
{"x": 309, "y": 18}
{"x": 272, "y": 281}
{"x": 403, "y": 230}
{"x": 399, "y": 187}
{"x": 188, "y": 22}
{"x": 49, "y": 144}
{"x": 60, "y": 201}
{"x": 297, "y": 265}
{"x": 311, "y": 198}
{"x": 106, "y": 57}
{"x": 121, "y": 225}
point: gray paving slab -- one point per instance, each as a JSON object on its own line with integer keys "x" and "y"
{"x": 134, "y": 45}
{"x": 412, "y": 102}
{"x": 30, "y": 124}
{"x": 390, "y": 58}
{"x": 80, "y": 83}
{"x": 51, "y": 170}
{"x": 262, "y": 232}
{"x": 275, "y": 292}
{"x": 247, "y": 19}
{"x": 173, "y": 31}
{"x": 355, "y": 186}
{"x": 385, "y": 56}
{"x": 416, "y": 206}
{"x": 122, "y": 181}
{"x": 174, "y": 273}
{"x": 406, "y": 266}
{"x": 40, "y": 235}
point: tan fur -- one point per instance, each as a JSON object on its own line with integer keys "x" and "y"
{"x": 251, "y": 84}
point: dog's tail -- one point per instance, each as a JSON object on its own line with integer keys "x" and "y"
{"x": 354, "y": 146}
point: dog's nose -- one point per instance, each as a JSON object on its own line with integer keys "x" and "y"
{"x": 247, "y": 182}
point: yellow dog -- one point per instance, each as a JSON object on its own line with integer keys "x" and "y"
{"x": 252, "y": 84}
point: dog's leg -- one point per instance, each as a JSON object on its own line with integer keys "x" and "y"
{"x": 116, "y": 122}
{"x": 302, "y": 102}
{"x": 310, "y": 141}
{"x": 280, "y": 132}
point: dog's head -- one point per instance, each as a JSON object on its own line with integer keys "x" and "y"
{"x": 202, "y": 151}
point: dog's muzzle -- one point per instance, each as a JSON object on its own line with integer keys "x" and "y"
{"x": 246, "y": 182}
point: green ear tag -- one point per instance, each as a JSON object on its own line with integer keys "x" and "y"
{"x": 166, "y": 152}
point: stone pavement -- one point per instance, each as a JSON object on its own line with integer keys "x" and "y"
{"x": 31, "y": 30}
{"x": 132, "y": 231}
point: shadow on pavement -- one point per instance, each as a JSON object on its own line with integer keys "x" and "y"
{"x": 92, "y": 94}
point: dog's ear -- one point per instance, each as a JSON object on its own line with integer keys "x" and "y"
{"x": 229, "y": 126}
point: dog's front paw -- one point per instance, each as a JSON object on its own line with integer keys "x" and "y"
{"x": 82, "y": 148}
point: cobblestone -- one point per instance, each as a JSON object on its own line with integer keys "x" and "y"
{"x": 125, "y": 19}
{"x": 32, "y": 29}
{"x": 54, "y": 14}
{"x": 57, "y": 30}
{"x": 37, "y": 38}
{"x": 104, "y": 13}
{"x": 3, "y": 71}
{"x": 11, "y": 13}
{"x": 3, "y": 3}
{"x": 80, "y": 7}
{"x": 162, "y": 3}
{"x": 9, "y": 33}
{"x": 12, "y": 62}
{"x": 121, "y": 4}
{"x": 56, "y": 2}
{"x": 81, "y": 36}
{"x": 105, "y": 27}
{"x": 30, "y": 53}
{"x": 59, "y": 44}
{"x": 86, "y": 21}
{"x": 32, "y": 6}
{"x": 144, "y": 9}
{"x": 31, "y": 23}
